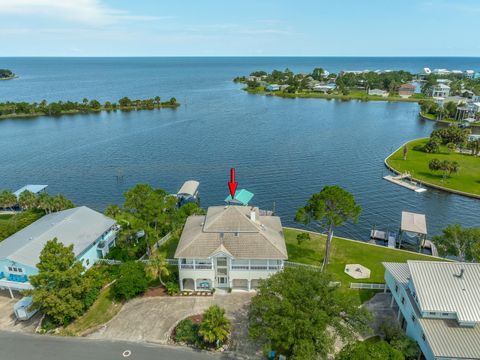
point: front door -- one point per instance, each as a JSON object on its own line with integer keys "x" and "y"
{"x": 222, "y": 272}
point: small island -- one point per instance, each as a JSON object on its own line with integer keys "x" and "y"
{"x": 449, "y": 160}
{"x": 44, "y": 108}
{"x": 6, "y": 74}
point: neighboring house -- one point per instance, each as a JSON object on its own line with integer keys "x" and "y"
{"x": 231, "y": 247}
{"x": 469, "y": 73}
{"x": 273, "y": 87}
{"x": 92, "y": 235}
{"x": 378, "y": 92}
{"x": 438, "y": 306}
{"x": 440, "y": 90}
{"x": 324, "y": 87}
{"x": 406, "y": 90}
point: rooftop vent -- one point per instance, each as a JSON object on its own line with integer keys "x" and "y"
{"x": 460, "y": 276}
{"x": 253, "y": 215}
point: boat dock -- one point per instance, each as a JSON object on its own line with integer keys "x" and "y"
{"x": 405, "y": 181}
{"x": 387, "y": 236}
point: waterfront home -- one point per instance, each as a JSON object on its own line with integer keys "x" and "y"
{"x": 378, "y": 92}
{"x": 324, "y": 87}
{"x": 231, "y": 247}
{"x": 92, "y": 234}
{"x": 406, "y": 90}
{"x": 440, "y": 90}
{"x": 438, "y": 306}
{"x": 273, "y": 87}
{"x": 469, "y": 73}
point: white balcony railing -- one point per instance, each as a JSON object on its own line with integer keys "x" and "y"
{"x": 4, "y": 283}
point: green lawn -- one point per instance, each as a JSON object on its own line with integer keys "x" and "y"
{"x": 466, "y": 180}
{"x": 346, "y": 252}
{"x": 104, "y": 309}
{"x": 10, "y": 224}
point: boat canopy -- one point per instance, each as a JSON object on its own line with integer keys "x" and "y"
{"x": 413, "y": 223}
{"x": 189, "y": 188}
{"x": 242, "y": 197}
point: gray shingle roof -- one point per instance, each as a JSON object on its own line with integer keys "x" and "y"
{"x": 79, "y": 226}
{"x": 439, "y": 288}
{"x": 231, "y": 228}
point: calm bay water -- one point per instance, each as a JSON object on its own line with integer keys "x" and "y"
{"x": 283, "y": 149}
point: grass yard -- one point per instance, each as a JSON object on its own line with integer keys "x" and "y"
{"x": 466, "y": 180}
{"x": 10, "y": 224}
{"x": 347, "y": 252}
{"x": 104, "y": 309}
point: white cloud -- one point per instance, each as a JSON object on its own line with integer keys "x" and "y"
{"x": 90, "y": 12}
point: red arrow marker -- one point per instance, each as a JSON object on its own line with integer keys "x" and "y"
{"x": 232, "y": 185}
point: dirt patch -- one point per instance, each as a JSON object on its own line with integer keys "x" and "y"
{"x": 196, "y": 319}
{"x": 155, "y": 291}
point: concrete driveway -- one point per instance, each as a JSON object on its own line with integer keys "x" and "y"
{"x": 8, "y": 321}
{"x": 153, "y": 319}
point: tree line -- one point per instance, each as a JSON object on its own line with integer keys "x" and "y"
{"x": 29, "y": 201}
{"x": 85, "y": 106}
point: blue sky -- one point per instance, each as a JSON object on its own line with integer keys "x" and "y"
{"x": 242, "y": 27}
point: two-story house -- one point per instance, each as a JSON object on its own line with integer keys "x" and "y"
{"x": 231, "y": 247}
{"x": 92, "y": 235}
{"x": 439, "y": 306}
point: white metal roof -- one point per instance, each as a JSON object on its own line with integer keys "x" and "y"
{"x": 32, "y": 188}
{"x": 441, "y": 287}
{"x": 413, "y": 222}
{"x": 79, "y": 227}
{"x": 189, "y": 187}
{"x": 400, "y": 271}
{"x": 450, "y": 341}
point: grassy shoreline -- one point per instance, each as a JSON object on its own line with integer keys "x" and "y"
{"x": 466, "y": 182}
{"x": 318, "y": 95}
{"x": 448, "y": 121}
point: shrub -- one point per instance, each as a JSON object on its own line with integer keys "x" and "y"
{"x": 172, "y": 288}
{"x": 433, "y": 145}
{"x": 187, "y": 332}
{"x": 131, "y": 280}
{"x": 302, "y": 237}
{"x": 361, "y": 350}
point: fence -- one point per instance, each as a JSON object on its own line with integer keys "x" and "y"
{"x": 296, "y": 265}
{"x": 158, "y": 244}
{"x": 371, "y": 286}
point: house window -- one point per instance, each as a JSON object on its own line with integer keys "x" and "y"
{"x": 444, "y": 314}
{"x": 403, "y": 300}
{"x": 88, "y": 261}
{"x": 433, "y": 313}
{"x": 396, "y": 288}
{"x": 413, "y": 318}
{"x": 423, "y": 337}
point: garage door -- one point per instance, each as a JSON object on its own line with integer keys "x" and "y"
{"x": 254, "y": 283}
{"x": 240, "y": 283}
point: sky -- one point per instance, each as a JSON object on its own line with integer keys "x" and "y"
{"x": 239, "y": 28}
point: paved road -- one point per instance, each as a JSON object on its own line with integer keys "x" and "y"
{"x": 42, "y": 347}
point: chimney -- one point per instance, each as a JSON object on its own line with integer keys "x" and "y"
{"x": 253, "y": 215}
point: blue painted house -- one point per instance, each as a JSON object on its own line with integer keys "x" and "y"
{"x": 438, "y": 306}
{"x": 91, "y": 233}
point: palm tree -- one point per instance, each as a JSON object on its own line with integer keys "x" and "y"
{"x": 7, "y": 199}
{"x": 27, "y": 200}
{"x": 330, "y": 207}
{"x": 157, "y": 266}
{"x": 215, "y": 327}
